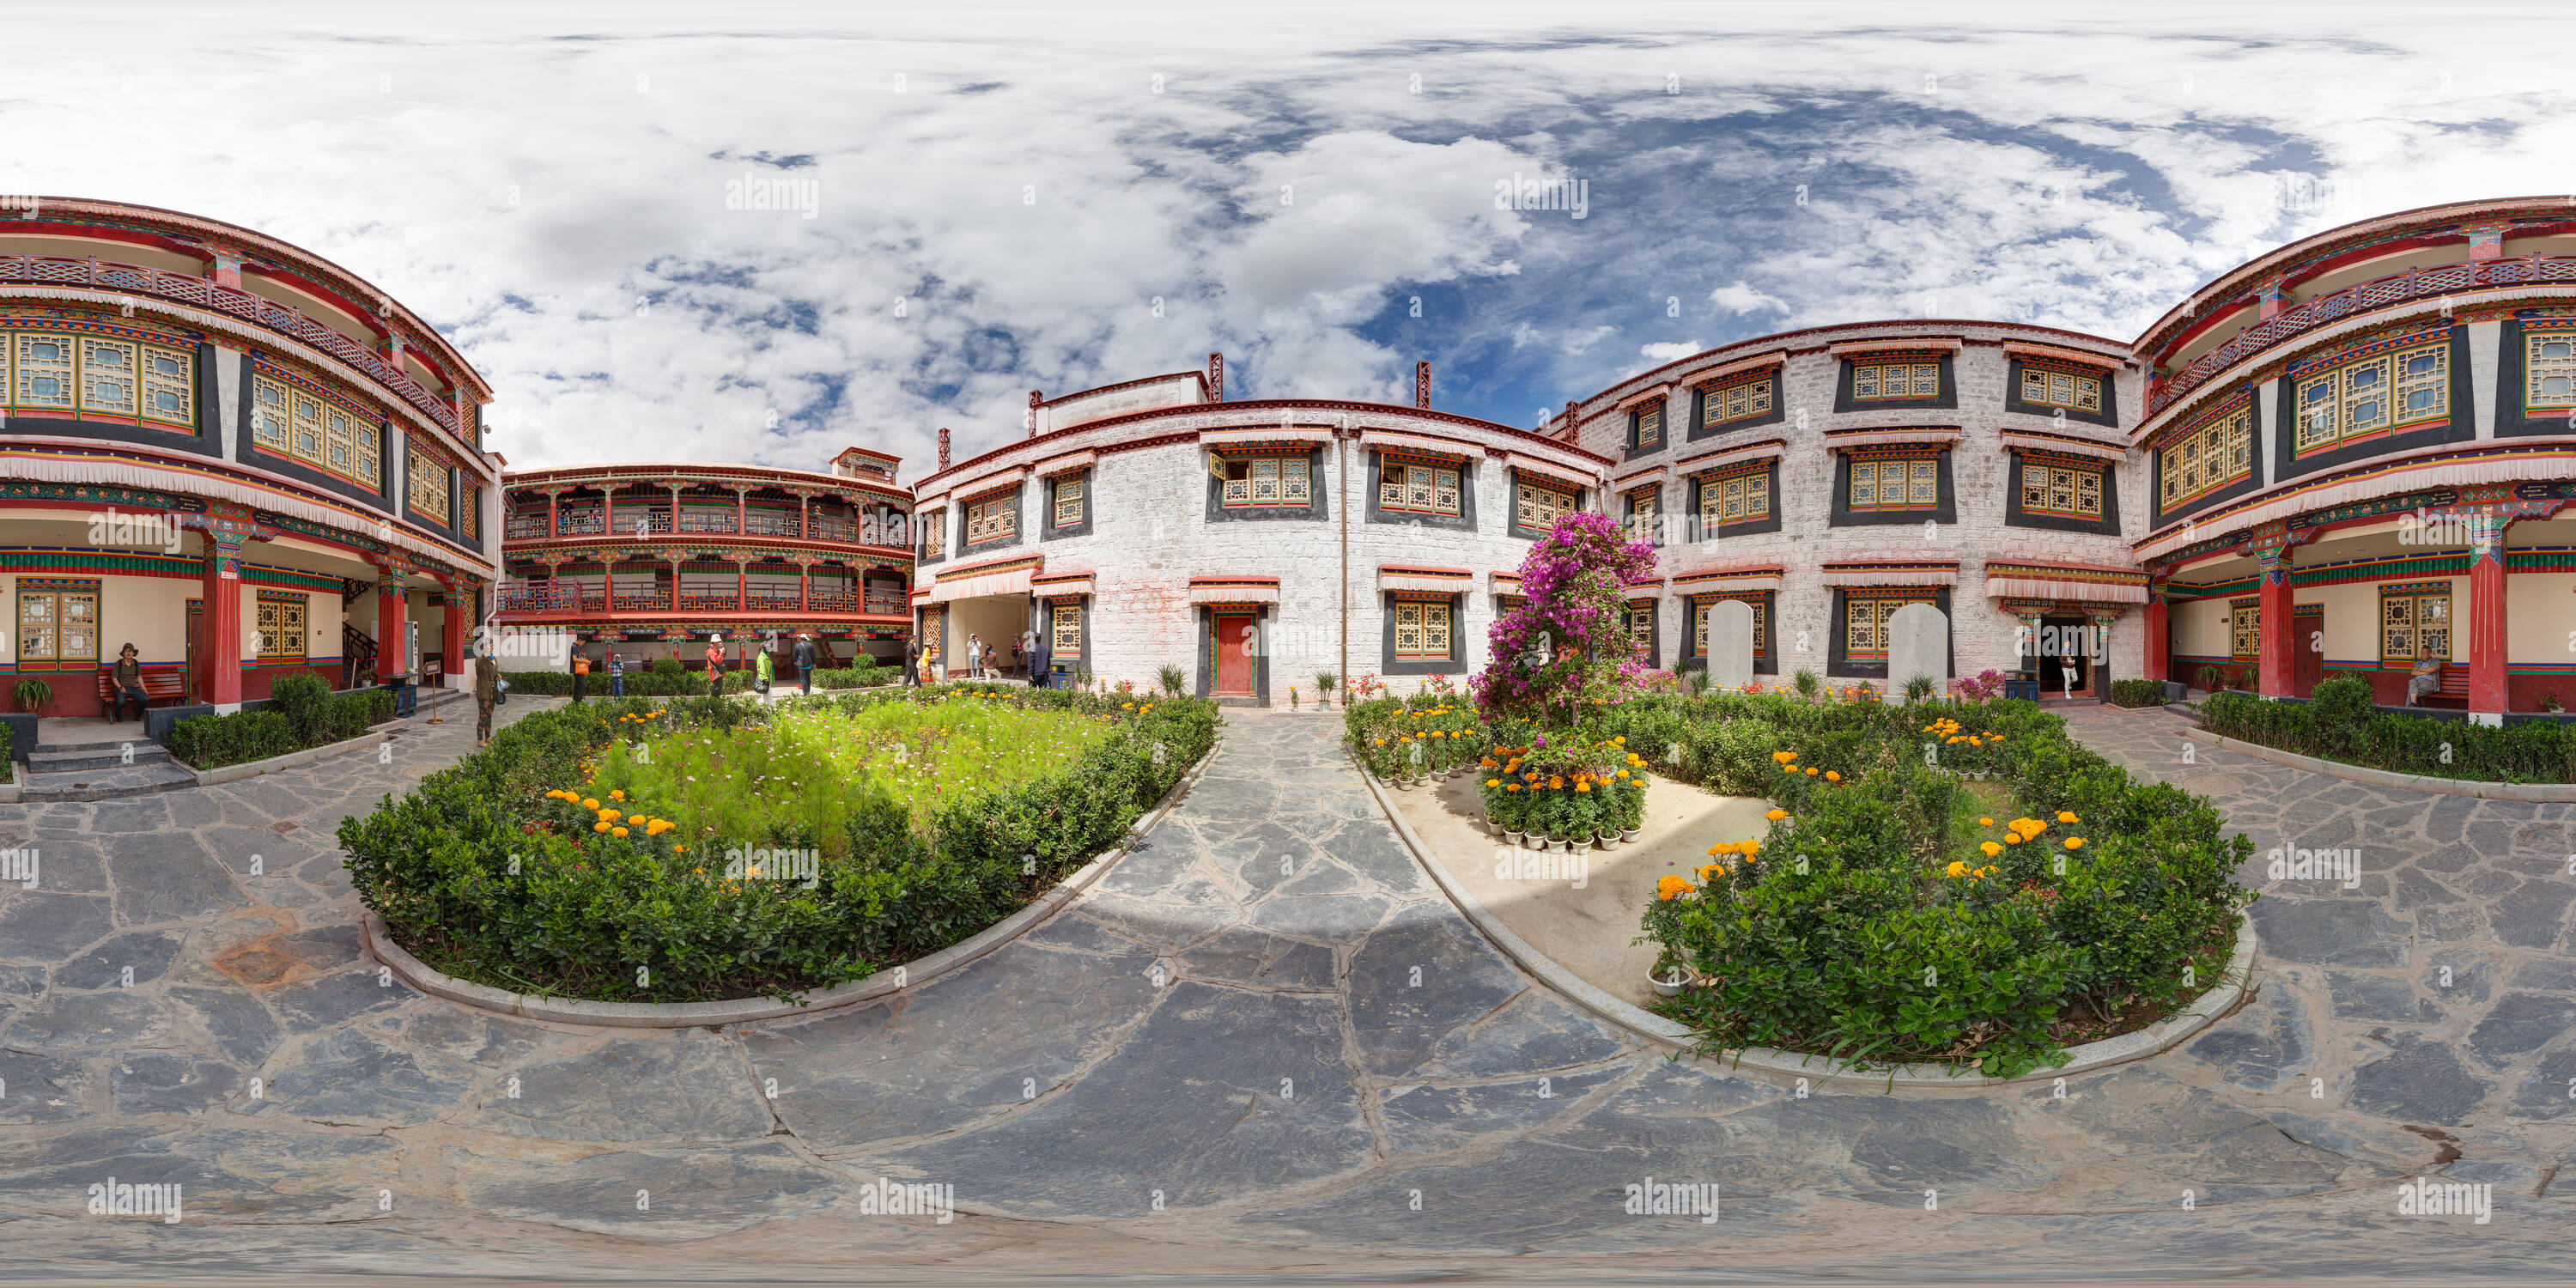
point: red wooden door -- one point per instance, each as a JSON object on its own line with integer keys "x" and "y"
{"x": 2308, "y": 661}
{"x": 1234, "y": 656}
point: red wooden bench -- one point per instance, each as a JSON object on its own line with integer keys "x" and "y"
{"x": 2454, "y": 690}
{"x": 158, "y": 686}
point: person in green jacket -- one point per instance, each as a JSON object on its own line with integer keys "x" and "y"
{"x": 762, "y": 670}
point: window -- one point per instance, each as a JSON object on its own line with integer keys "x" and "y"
{"x": 1740, "y": 401}
{"x": 323, "y": 435}
{"x": 994, "y": 518}
{"x": 281, "y": 627}
{"x": 1641, "y": 631}
{"x": 1068, "y": 502}
{"x": 1421, "y": 489}
{"x": 2058, "y": 489}
{"x": 110, "y": 377}
{"x": 2209, "y": 458}
{"x": 1896, "y": 380}
{"x": 1541, "y": 506}
{"x": 425, "y": 486}
{"x": 2042, "y": 387}
{"x": 469, "y": 515}
{"x": 2415, "y": 625}
{"x": 1736, "y": 498}
{"x": 2370, "y": 397}
{"x": 2245, "y": 631}
{"x": 57, "y": 624}
{"x": 1900, "y": 483}
{"x": 934, "y": 533}
{"x": 934, "y": 636}
{"x": 107, "y": 377}
{"x": 1277, "y": 480}
{"x": 44, "y": 371}
{"x": 1865, "y": 619}
{"x": 1645, "y": 515}
{"x": 1422, "y": 631}
{"x": 169, "y": 386}
{"x": 1650, "y": 426}
{"x": 1699, "y": 626}
{"x": 2549, "y": 371}
{"x": 1066, "y": 627}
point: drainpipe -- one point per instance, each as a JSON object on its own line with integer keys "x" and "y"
{"x": 1342, "y": 460}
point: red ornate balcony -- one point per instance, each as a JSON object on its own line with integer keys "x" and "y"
{"x": 702, "y": 521}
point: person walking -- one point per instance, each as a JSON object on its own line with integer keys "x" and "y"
{"x": 487, "y": 689}
{"x": 1041, "y": 661}
{"x": 617, "y": 675}
{"x": 580, "y": 676}
{"x": 761, "y": 671}
{"x": 1020, "y": 655}
{"x": 926, "y": 661}
{"x": 715, "y": 666}
{"x": 803, "y": 658}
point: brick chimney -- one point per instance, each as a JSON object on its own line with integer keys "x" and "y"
{"x": 1422, "y": 385}
{"x": 1572, "y": 431}
{"x": 1216, "y": 377}
{"x": 943, "y": 446}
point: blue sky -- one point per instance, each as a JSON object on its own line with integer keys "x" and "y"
{"x": 1054, "y": 197}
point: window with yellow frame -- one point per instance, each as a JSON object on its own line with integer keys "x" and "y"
{"x": 57, "y": 624}
{"x": 1865, "y": 619}
{"x": 2208, "y": 458}
{"x": 2374, "y": 396}
{"x": 1699, "y": 625}
{"x": 2245, "y": 630}
{"x": 280, "y": 622}
{"x": 2415, "y": 623}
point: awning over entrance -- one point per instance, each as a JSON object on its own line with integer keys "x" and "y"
{"x": 1419, "y": 577}
{"x": 1234, "y": 590}
{"x": 997, "y": 577}
{"x": 1060, "y": 585}
{"x": 2094, "y": 582}
{"x": 1892, "y": 572}
{"x": 1727, "y": 577}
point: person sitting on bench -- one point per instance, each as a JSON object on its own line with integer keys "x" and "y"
{"x": 126, "y": 683}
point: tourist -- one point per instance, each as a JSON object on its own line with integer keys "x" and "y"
{"x": 617, "y": 675}
{"x": 1020, "y": 653}
{"x": 580, "y": 675}
{"x": 761, "y": 668}
{"x": 804, "y": 660}
{"x": 126, "y": 682}
{"x": 926, "y": 662}
{"x": 715, "y": 666}
{"x": 1041, "y": 661}
{"x": 487, "y": 689}
{"x": 974, "y": 656}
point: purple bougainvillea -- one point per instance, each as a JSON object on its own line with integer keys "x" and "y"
{"x": 1576, "y": 581}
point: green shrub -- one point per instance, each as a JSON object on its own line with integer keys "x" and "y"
{"x": 579, "y": 913}
{"x": 304, "y": 699}
{"x": 292, "y": 721}
{"x": 2138, "y": 693}
{"x": 856, "y": 677}
{"x": 640, "y": 683}
{"x": 8, "y": 757}
{"x": 2341, "y": 724}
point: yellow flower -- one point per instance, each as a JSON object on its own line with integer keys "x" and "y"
{"x": 1556, "y": 782}
{"x": 599, "y": 827}
{"x": 1776, "y": 815}
{"x": 1991, "y": 849}
{"x": 617, "y": 795}
{"x": 1582, "y": 786}
{"x": 1493, "y": 782}
{"x": 1811, "y": 771}
{"x": 1833, "y": 777}
{"x": 1669, "y": 885}
{"x": 1957, "y": 868}
{"x": 2075, "y": 843}
{"x": 1623, "y": 773}
{"x": 2064, "y": 816}
{"x": 1511, "y": 787}
{"x": 1985, "y": 822}
{"x": 617, "y": 831}
{"x": 590, "y": 804}
{"x": 1722, "y": 847}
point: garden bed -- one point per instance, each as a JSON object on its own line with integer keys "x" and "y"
{"x": 302, "y": 715}
{"x": 2340, "y": 724}
{"x": 523, "y": 869}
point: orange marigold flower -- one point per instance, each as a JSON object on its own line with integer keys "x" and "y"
{"x": 1776, "y": 815}
{"x": 2075, "y": 843}
{"x": 1833, "y": 777}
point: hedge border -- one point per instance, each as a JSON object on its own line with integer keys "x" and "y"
{"x": 2221, "y": 1000}
{"x": 2485, "y": 789}
{"x": 884, "y": 984}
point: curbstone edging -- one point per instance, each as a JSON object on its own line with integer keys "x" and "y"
{"x": 2532, "y": 793}
{"x": 679, "y": 1015}
{"x": 291, "y": 760}
{"x": 2154, "y": 1039}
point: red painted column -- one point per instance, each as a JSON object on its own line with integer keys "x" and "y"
{"x": 675, "y": 583}
{"x": 2159, "y": 634}
{"x": 804, "y": 588}
{"x": 2486, "y": 623}
{"x": 554, "y": 515}
{"x": 741, "y": 512}
{"x": 389, "y": 625}
{"x": 2279, "y": 635}
{"x": 675, "y": 509}
{"x": 804, "y": 516}
{"x": 741, "y": 585}
{"x": 223, "y": 619}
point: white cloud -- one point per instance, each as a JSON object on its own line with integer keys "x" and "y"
{"x": 1657, "y": 355}
{"x": 1736, "y": 297}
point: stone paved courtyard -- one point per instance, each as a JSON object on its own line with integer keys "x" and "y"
{"x": 1264, "y": 1043}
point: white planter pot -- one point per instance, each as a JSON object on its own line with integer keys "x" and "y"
{"x": 1610, "y": 841}
{"x": 1583, "y": 846}
{"x": 1556, "y": 845}
{"x": 1671, "y": 988}
{"x": 1629, "y": 833}
{"x": 1512, "y": 839}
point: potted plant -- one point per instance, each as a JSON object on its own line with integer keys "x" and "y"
{"x": 1583, "y": 823}
{"x": 1669, "y": 977}
{"x": 2550, "y": 702}
{"x": 1632, "y": 813}
{"x": 1807, "y": 684}
{"x": 1323, "y": 690}
{"x": 32, "y": 695}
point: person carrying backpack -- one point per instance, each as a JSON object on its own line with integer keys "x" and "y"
{"x": 804, "y": 660}
{"x": 715, "y": 667}
{"x": 580, "y": 675}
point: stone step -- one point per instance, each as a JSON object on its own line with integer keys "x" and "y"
{"x": 102, "y": 784}
{"x": 102, "y": 755}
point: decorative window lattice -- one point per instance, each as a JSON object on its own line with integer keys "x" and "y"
{"x": 1699, "y": 626}
{"x": 1645, "y": 514}
{"x": 2372, "y": 396}
{"x": 107, "y": 377}
{"x": 1865, "y": 619}
{"x": 1737, "y": 498}
{"x": 470, "y": 514}
{"x": 1737, "y": 402}
{"x": 2549, "y": 371}
{"x": 999, "y": 517}
{"x": 44, "y": 371}
{"x": 103, "y": 377}
{"x": 1066, "y": 626}
{"x": 2057, "y": 489}
{"x": 57, "y": 629}
{"x": 1650, "y": 426}
{"x": 323, "y": 435}
{"x": 1422, "y": 630}
{"x": 2245, "y": 631}
{"x": 934, "y": 635}
{"x": 1641, "y": 632}
{"x": 934, "y": 533}
{"x": 2415, "y": 627}
{"x": 2209, "y": 458}
{"x": 1880, "y": 381}
{"x": 1421, "y": 489}
{"x": 1541, "y": 506}
{"x": 1068, "y": 503}
{"x": 1274, "y": 480}
{"x": 1896, "y": 484}
{"x": 425, "y": 485}
{"x": 281, "y": 624}
{"x": 2043, "y": 387}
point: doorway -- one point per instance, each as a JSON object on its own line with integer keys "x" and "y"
{"x": 2307, "y": 648}
{"x": 1235, "y": 644}
{"x": 195, "y": 683}
{"x": 2065, "y": 661}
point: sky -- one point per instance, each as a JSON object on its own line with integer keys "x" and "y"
{"x": 978, "y": 200}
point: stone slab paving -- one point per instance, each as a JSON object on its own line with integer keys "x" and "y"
{"x": 1264, "y": 1043}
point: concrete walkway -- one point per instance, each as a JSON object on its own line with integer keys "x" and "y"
{"x": 1264, "y": 1044}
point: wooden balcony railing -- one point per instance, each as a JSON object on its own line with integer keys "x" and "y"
{"x": 706, "y": 521}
